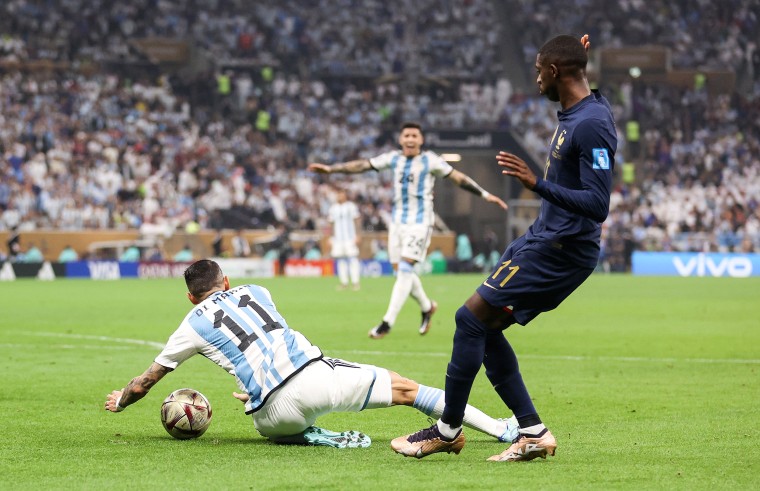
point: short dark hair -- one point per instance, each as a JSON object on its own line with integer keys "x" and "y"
{"x": 203, "y": 276}
{"x": 411, "y": 124}
{"x": 564, "y": 50}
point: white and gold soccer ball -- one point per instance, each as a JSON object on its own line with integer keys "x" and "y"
{"x": 186, "y": 413}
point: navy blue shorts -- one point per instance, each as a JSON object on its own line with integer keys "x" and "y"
{"x": 532, "y": 277}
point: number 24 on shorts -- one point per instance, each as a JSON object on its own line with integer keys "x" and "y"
{"x": 416, "y": 243}
{"x": 510, "y": 272}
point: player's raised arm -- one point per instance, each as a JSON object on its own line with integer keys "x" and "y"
{"x": 468, "y": 184}
{"x": 350, "y": 167}
{"x": 136, "y": 389}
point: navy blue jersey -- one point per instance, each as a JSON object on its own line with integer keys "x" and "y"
{"x": 577, "y": 181}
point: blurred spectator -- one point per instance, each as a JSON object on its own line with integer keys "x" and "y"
{"x": 33, "y": 255}
{"x": 463, "y": 254}
{"x": 14, "y": 244}
{"x": 380, "y": 251}
{"x": 184, "y": 255}
{"x": 130, "y": 255}
{"x": 240, "y": 245}
{"x": 67, "y": 255}
{"x": 154, "y": 254}
{"x": 311, "y": 251}
{"x": 437, "y": 261}
{"x": 216, "y": 244}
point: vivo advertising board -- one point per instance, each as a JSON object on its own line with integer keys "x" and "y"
{"x": 734, "y": 265}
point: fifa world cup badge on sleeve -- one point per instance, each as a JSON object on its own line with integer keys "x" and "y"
{"x": 601, "y": 158}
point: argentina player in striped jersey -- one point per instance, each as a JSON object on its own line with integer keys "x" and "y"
{"x": 411, "y": 227}
{"x": 344, "y": 219}
{"x": 285, "y": 382}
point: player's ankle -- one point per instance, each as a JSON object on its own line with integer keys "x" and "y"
{"x": 533, "y": 430}
{"x": 447, "y": 431}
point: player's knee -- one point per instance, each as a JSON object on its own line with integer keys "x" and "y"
{"x": 467, "y": 323}
{"x": 405, "y": 266}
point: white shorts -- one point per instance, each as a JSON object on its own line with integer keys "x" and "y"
{"x": 325, "y": 386}
{"x": 410, "y": 241}
{"x": 344, "y": 248}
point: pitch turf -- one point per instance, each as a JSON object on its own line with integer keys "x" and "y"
{"x": 647, "y": 383}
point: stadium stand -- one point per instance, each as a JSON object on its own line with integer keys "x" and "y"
{"x": 96, "y": 133}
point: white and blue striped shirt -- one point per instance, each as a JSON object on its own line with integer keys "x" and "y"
{"x": 343, "y": 216}
{"x": 413, "y": 180}
{"x": 241, "y": 331}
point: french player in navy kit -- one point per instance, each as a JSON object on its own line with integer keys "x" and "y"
{"x": 540, "y": 269}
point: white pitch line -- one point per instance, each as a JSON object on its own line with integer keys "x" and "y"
{"x": 434, "y": 354}
{"x": 140, "y": 342}
{"x": 68, "y": 346}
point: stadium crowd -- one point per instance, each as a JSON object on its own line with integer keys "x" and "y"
{"x": 697, "y": 180}
{"x": 292, "y": 84}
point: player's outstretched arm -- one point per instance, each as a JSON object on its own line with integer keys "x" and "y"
{"x": 136, "y": 389}
{"x": 351, "y": 167}
{"x": 467, "y": 183}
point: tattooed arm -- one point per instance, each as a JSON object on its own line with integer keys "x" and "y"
{"x": 136, "y": 389}
{"x": 351, "y": 167}
{"x": 468, "y": 184}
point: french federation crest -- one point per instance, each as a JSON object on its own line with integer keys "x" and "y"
{"x": 601, "y": 158}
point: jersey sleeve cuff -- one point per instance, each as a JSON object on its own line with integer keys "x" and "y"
{"x": 539, "y": 185}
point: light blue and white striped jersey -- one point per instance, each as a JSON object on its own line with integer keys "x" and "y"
{"x": 241, "y": 331}
{"x": 413, "y": 180}
{"x": 342, "y": 216}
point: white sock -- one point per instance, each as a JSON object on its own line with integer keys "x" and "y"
{"x": 418, "y": 293}
{"x": 447, "y": 431}
{"x": 342, "y": 271}
{"x": 401, "y": 289}
{"x": 354, "y": 270}
{"x": 431, "y": 401}
{"x": 533, "y": 430}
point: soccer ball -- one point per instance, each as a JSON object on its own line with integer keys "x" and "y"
{"x": 186, "y": 413}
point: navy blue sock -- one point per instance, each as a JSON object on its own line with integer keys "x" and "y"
{"x": 466, "y": 360}
{"x": 503, "y": 371}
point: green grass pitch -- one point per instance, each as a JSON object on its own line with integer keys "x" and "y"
{"x": 647, "y": 383}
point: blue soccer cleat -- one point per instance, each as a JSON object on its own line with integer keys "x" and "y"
{"x": 511, "y": 432}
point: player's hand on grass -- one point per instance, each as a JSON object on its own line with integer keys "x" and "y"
{"x": 112, "y": 401}
{"x": 320, "y": 168}
{"x": 240, "y": 397}
{"x": 516, "y": 167}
